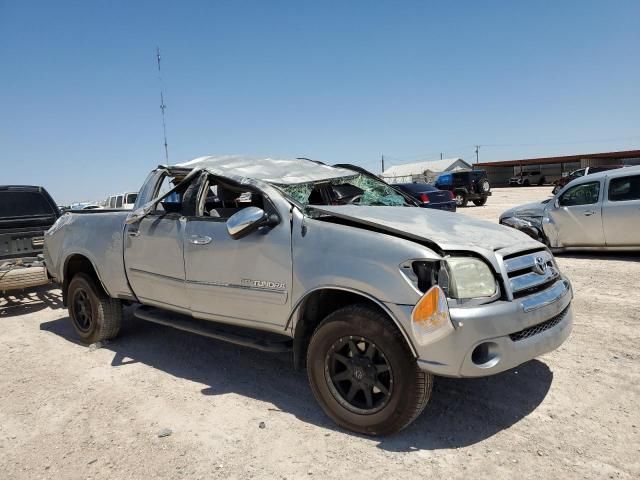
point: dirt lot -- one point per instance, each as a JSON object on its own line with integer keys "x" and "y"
{"x": 67, "y": 411}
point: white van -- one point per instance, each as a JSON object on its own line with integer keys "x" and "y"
{"x": 123, "y": 201}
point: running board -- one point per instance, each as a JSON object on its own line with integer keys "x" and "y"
{"x": 245, "y": 337}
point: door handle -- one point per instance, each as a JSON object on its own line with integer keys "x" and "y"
{"x": 133, "y": 233}
{"x": 588, "y": 213}
{"x": 200, "y": 239}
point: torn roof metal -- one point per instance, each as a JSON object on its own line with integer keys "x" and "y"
{"x": 279, "y": 171}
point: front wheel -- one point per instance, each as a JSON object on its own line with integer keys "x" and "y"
{"x": 362, "y": 373}
{"x": 480, "y": 202}
{"x": 94, "y": 315}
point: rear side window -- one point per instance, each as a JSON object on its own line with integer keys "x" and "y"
{"x": 119, "y": 201}
{"x": 585, "y": 194}
{"x": 625, "y": 188}
{"x": 131, "y": 198}
{"x": 14, "y": 204}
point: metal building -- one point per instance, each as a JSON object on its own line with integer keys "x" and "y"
{"x": 424, "y": 171}
{"x": 553, "y": 168}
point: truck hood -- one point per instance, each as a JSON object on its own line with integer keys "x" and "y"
{"x": 532, "y": 210}
{"x": 449, "y": 231}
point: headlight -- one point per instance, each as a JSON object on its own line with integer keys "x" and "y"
{"x": 470, "y": 278}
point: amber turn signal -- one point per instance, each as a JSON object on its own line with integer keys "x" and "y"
{"x": 430, "y": 314}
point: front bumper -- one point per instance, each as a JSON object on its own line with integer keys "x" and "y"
{"x": 16, "y": 274}
{"x": 495, "y": 337}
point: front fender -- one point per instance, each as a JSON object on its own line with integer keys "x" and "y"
{"x": 353, "y": 257}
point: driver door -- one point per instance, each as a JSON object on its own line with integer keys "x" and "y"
{"x": 577, "y": 216}
{"x": 245, "y": 281}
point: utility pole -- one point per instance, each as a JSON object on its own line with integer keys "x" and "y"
{"x": 162, "y": 108}
{"x": 382, "y": 160}
{"x": 477, "y": 149}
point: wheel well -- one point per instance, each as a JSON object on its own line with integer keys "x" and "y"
{"x": 77, "y": 264}
{"x": 315, "y": 308}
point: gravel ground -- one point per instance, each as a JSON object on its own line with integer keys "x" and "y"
{"x": 160, "y": 403}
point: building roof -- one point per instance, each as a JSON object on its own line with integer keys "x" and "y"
{"x": 621, "y": 155}
{"x": 418, "y": 168}
{"x": 279, "y": 171}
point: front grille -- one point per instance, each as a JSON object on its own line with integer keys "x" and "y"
{"x": 531, "y": 273}
{"x": 539, "y": 328}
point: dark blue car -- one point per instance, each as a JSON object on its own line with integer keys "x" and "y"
{"x": 428, "y": 196}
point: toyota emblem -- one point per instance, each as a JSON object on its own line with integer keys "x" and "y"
{"x": 540, "y": 266}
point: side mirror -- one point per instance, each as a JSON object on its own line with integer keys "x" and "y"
{"x": 139, "y": 213}
{"x": 247, "y": 220}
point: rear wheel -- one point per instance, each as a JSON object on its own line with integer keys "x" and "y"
{"x": 94, "y": 315}
{"x": 363, "y": 374}
{"x": 526, "y": 183}
{"x": 541, "y": 182}
{"x": 480, "y": 202}
{"x": 461, "y": 199}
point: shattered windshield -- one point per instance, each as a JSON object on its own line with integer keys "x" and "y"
{"x": 357, "y": 189}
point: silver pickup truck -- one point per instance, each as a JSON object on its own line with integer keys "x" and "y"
{"x": 371, "y": 293}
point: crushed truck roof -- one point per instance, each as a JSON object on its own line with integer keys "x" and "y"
{"x": 279, "y": 171}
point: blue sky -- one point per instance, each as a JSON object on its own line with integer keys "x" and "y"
{"x": 336, "y": 81}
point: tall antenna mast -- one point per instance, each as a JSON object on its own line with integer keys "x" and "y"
{"x": 162, "y": 107}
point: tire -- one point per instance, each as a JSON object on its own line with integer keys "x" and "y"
{"x": 390, "y": 365}
{"x": 526, "y": 183}
{"x": 541, "y": 182}
{"x": 484, "y": 185}
{"x": 461, "y": 199}
{"x": 94, "y": 315}
{"x": 480, "y": 202}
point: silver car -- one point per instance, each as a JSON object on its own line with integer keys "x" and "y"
{"x": 599, "y": 211}
{"x": 371, "y": 293}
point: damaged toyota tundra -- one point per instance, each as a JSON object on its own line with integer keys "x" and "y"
{"x": 372, "y": 294}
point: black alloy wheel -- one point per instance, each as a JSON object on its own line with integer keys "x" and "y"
{"x": 82, "y": 310}
{"x": 94, "y": 315}
{"x": 359, "y": 375}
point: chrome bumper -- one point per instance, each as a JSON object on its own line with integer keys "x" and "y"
{"x": 492, "y": 338}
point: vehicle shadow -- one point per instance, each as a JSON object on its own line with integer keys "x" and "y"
{"x": 461, "y": 412}
{"x": 619, "y": 256}
{"x": 24, "y": 302}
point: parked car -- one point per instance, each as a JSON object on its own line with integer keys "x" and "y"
{"x": 374, "y": 295}
{"x": 429, "y": 196}
{"x": 466, "y": 185}
{"x": 599, "y": 211}
{"x": 26, "y": 212}
{"x": 124, "y": 201}
{"x": 562, "y": 181}
{"x": 525, "y": 179}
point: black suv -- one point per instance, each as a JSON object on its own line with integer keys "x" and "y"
{"x": 468, "y": 185}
